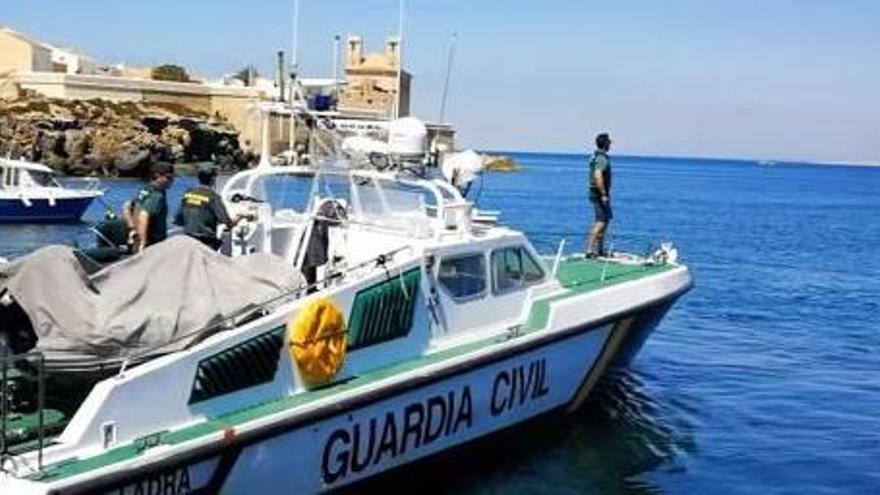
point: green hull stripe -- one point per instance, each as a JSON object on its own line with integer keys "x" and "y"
{"x": 577, "y": 276}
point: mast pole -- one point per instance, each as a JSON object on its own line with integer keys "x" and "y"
{"x": 449, "y": 62}
{"x": 294, "y": 55}
{"x": 294, "y": 69}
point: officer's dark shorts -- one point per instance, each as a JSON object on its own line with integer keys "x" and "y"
{"x": 603, "y": 211}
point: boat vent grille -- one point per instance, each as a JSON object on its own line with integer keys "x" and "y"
{"x": 384, "y": 311}
{"x": 250, "y": 363}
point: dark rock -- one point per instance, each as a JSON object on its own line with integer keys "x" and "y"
{"x": 87, "y": 137}
{"x": 155, "y": 124}
{"x": 203, "y": 140}
{"x": 56, "y": 162}
{"x": 50, "y": 143}
{"x": 76, "y": 145}
{"x": 160, "y": 152}
{"x": 133, "y": 162}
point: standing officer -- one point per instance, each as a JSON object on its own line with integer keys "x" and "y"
{"x": 147, "y": 214}
{"x": 600, "y": 195}
{"x": 202, "y": 209}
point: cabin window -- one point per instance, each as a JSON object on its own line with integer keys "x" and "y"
{"x": 42, "y": 179}
{"x": 10, "y": 177}
{"x": 463, "y": 277}
{"x": 514, "y": 268}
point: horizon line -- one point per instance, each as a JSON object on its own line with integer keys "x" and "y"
{"x": 766, "y": 161}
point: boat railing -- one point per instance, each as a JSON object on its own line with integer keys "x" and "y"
{"x": 450, "y": 212}
{"x": 388, "y": 260}
{"x": 85, "y": 184}
{"x": 19, "y": 375}
{"x": 325, "y": 141}
{"x": 91, "y": 184}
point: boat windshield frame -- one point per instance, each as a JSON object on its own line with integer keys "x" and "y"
{"x": 391, "y": 201}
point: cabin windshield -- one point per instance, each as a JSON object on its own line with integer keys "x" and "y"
{"x": 514, "y": 268}
{"x": 43, "y": 179}
{"x": 393, "y": 205}
{"x": 283, "y": 191}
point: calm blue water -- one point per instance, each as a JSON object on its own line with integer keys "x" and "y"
{"x": 763, "y": 379}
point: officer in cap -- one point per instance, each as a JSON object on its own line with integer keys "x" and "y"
{"x": 202, "y": 209}
{"x": 600, "y": 195}
{"x": 147, "y": 214}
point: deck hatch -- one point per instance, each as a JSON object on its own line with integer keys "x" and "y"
{"x": 250, "y": 363}
{"x": 384, "y": 311}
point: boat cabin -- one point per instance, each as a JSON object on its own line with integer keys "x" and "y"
{"x": 16, "y": 174}
{"x": 30, "y": 193}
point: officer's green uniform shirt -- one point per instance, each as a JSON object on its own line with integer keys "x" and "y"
{"x": 151, "y": 199}
{"x": 201, "y": 211}
{"x": 599, "y": 163}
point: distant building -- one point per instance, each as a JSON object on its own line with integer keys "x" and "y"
{"x": 32, "y": 65}
{"x": 368, "y": 96}
{"x": 22, "y": 53}
{"x": 371, "y": 88}
{"x": 19, "y": 52}
{"x": 72, "y": 62}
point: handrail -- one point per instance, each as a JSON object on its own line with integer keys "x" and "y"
{"x": 288, "y": 295}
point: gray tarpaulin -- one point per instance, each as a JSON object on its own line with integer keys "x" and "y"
{"x": 164, "y": 296}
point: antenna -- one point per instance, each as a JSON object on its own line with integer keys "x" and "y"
{"x": 452, "y": 43}
{"x": 294, "y": 54}
{"x": 400, "y": 14}
{"x": 336, "y": 39}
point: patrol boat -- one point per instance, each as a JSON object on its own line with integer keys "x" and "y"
{"x": 424, "y": 327}
{"x": 30, "y": 193}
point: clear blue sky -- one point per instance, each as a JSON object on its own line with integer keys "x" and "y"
{"x": 795, "y": 79}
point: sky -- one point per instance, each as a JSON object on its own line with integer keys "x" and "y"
{"x": 755, "y": 79}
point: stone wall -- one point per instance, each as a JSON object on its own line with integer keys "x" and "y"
{"x": 106, "y": 138}
{"x": 234, "y": 104}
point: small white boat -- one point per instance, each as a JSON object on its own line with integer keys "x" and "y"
{"x": 30, "y": 193}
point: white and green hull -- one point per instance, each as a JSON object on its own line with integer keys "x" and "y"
{"x": 385, "y": 424}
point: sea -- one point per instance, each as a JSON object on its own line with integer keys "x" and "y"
{"x": 765, "y": 378}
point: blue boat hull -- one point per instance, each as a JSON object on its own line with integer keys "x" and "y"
{"x": 40, "y": 211}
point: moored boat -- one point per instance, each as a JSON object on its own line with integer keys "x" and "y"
{"x": 29, "y": 193}
{"x": 418, "y": 331}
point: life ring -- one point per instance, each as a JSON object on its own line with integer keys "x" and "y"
{"x": 318, "y": 340}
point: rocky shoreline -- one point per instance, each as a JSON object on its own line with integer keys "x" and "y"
{"x": 501, "y": 163}
{"x": 114, "y": 139}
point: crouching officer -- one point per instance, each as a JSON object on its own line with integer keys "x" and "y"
{"x": 202, "y": 209}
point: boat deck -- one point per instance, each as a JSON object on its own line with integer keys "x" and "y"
{"x": 580, "y": 275}
{"x": 588, "y": 274}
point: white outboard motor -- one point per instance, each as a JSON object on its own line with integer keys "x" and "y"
{"x": 408, "y": 139}
{"x": 461, "y": 168}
